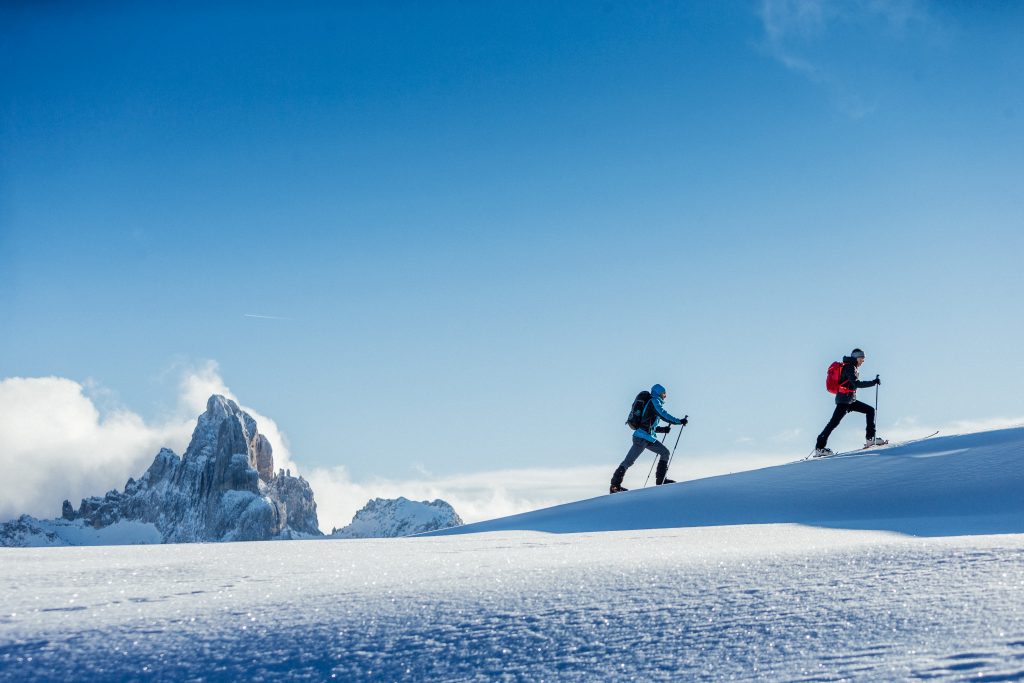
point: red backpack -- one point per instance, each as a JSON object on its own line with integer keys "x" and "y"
{"x": 835, "y": 371}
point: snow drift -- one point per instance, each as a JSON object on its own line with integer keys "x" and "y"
{"x": 966, "y": 484}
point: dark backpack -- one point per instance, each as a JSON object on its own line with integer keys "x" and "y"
{"x": 636, "y": 414}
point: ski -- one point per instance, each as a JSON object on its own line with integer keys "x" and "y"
{"x": 865, "y": 449}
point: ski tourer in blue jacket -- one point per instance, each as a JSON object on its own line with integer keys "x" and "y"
{"x": 654, "y": 413}
{"x": 644, "y": 439}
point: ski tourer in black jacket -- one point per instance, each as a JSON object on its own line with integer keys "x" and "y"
{"x": 846, "y": 402}
{"x": 849, "y": 378}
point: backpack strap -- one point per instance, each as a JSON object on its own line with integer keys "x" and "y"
{"x": 644, "y": 422}
{"x": 843, "y": 388}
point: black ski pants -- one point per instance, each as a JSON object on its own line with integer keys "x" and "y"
{"x": 841, "y": 410}
{"x": 639, "y": 444}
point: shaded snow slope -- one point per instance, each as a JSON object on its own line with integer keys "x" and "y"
{"x": 966, "y": 484}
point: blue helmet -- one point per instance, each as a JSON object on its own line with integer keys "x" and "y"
{"x": 658, "y": 390}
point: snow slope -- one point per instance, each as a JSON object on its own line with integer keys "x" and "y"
{"x": 966, "y": 484}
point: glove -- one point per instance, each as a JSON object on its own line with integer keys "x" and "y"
{"x": 878, "y": 382}
{"x": 684, "y": 422}
{"x": 663, "y": 430}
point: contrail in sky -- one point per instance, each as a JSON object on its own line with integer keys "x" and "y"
{"x": 265, "y": 317}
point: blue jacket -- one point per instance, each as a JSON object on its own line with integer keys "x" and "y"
{"x": 657, "y": 406}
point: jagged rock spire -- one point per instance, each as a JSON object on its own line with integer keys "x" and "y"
{"x": 222, "y": 489}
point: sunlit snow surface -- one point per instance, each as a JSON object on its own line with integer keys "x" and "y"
{"x": 746, "y": 602}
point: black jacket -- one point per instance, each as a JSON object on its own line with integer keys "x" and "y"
{"x": 850, "y": 379}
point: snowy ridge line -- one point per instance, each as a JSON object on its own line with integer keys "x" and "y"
{"x": 972, "y": 482}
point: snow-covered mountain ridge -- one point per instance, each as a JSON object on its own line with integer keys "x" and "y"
{"x": 382, "y": 518}
{"x": 964, "y": 484}
{"x": 224, "y": 488}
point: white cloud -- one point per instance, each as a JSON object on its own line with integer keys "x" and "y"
{"x": 788, "y": 436}
{"x": 784, "y": 18}
{"x": 795, "y": 21}
{"x": 799, "y": 34}
{"x": 57, "y": 444}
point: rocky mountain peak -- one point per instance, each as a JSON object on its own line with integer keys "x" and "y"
{"x": 225, "y": 430}
{"x": 223, "y": 489}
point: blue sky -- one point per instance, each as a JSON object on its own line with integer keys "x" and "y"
{"x": 480, "y": 228}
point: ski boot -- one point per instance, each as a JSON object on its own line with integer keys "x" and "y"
{"x": 822, "y": 452}
{"x": 662, "y": 471}
{"x": 875, "y": 441}
{"x": 617, "y": 476}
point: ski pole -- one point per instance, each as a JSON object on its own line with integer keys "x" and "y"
{"x": 876, "y": 400}
{"x": 663, "y": 435}
{"x": 673, "y": 454}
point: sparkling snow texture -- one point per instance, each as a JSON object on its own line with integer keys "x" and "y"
{"x": 819, "y": 600}
{"x": 751, "y": 602}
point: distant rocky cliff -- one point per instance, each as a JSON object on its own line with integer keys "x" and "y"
{"x": 223, "y": 489}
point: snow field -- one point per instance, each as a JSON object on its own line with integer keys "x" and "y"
{"x": 747, "y": 602}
